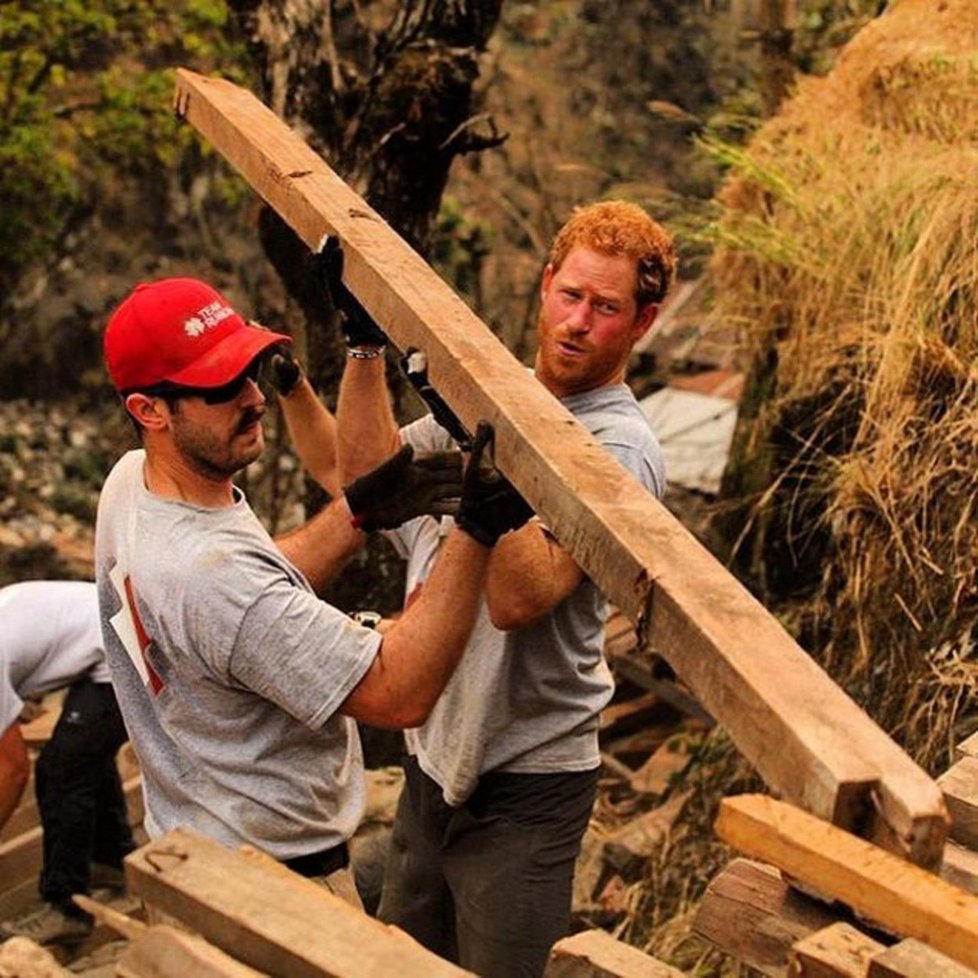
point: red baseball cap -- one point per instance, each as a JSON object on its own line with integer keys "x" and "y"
{"x": 181, "y": 331}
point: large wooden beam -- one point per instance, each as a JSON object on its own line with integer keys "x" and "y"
{"x": 268, "y": 917}
{"x": 807, "y": 740}
{"x": 878, "y": 886}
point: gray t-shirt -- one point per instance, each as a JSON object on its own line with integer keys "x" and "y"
{"x": 229, "y": 671}
{"x": 50, "y": 636}
{"x": 527, "y": 700}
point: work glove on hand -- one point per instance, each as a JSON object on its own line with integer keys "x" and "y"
{"x": 285, "y": 371}
{"x": 490, "y": 506}
{"x": 358, "y": 327}
{"x": 404, "y": 487}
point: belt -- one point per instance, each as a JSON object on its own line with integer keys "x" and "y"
{"x": 320, "y": 863}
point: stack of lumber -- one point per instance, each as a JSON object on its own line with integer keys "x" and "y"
{"x": 821, "y": 902}
{"x": 215, "y": 912}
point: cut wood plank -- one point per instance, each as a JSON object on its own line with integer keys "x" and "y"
{"x": 750, "y": 913}
{"x": 25, "y": 816}
{"x": 665, "y": 765}
{"x": 22, "y": 958}
{"x": 806, "y": 738}
{"x": 20, "y": 857}
{"x": 960, "y": 786}
{"x": 912, "y": 959}
{"x": 165, "y": 952}
{"x": 273, "y": 921}
{"x": 836, "y": 951}
{"x": 877, "y": 885}
{"x": 967, "y": 748}
{"x": 596, "y": 954}
{"x": 960, "y": 867}
{"x": 628, "y": 715}
{"x": 629, "y": 848}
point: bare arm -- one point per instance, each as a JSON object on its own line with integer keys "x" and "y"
{"x": 320, "y": 547}
{"x": 421, "y": 649}
{"x": 312, "y": 430}
{"x": 14, "y": 770}
{"x": 529, "y": 575}
{"x": 367, "y": 431}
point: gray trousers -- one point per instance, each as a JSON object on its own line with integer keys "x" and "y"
{"x": 487, "y": 885}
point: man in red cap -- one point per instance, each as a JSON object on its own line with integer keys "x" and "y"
{"x": 238, "y": 685}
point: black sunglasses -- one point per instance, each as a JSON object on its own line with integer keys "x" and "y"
{"x": 210, "y": 395}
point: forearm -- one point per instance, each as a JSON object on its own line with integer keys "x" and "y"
{"x": 14, "y": 771}
{"x": 312, "y": 430}
{"x": 367, "y": 431}
{"x": 529, "y": 574}
{"x": 320, "y": 547}
{"x": 422, "y": 648}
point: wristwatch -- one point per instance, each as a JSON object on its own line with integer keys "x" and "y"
{"x": 369, "y": 619}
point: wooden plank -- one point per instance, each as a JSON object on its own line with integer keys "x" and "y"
{"x": 630, "y": 847}
{"x": 877, "y": 885}
{"x": 836, "y": 951}
{"x": 806, "y": 738}
{"x": 20, "y": 857}
{"x": 270, "y": 920}
{"x": 750, "y": 913}
{"x": 967, "y": 747}
{"x": 960, "y": 786}
{"x": 165, "y": 952}
{"x": 25, "y": 816}
{"x": 22, "y": 958}
{"x": 596, "y": 954}
{"x": 960, "y": 867}
{"x": 668, "y": 762}
{"x": 912, "y": 959}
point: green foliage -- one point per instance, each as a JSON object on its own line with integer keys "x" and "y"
{"x": 85, "y": 88}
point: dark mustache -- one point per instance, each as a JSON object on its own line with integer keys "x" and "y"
{"x": 249, "y": 416}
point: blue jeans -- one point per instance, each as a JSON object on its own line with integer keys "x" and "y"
{"x": 79, "y": 795}
{"x": 487, "y": 885}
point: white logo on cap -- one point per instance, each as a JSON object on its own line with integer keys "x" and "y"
{"x": 207, "y": 318}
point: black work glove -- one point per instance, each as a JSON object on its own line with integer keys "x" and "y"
{"x": 285, "y": 371}
{"x": 358, "y": 327}
{"x": 490, "y": 506}
{"x": 404, "y": 487}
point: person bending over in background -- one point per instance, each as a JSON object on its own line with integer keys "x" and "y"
{"x": 50, "y": 637}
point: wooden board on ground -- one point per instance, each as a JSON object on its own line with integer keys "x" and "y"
{"x": 967, "y": 747}
{"x": 274, "y": 921}
{"x": 596, "y": 954}
{"x": 877, "y": 885}
{"x": 165, "y": 952}
{"x": 806, "y": 738}
{"x": 20, "y": 857}
{"x": 836, "y": 951}
{"x": 960, "y": 867}
{"x": 960, "y": 786}
{"x": 750, "y": 913}
{"x": 912, "y": 959}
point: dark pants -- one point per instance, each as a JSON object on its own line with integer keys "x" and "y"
{"x": 487, "y": 885}
{"x": 79, "y": 795}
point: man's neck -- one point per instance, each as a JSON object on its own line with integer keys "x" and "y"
{"x": 173, "y": 478}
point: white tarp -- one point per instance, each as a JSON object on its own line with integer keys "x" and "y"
{"x": 695, "y": 431}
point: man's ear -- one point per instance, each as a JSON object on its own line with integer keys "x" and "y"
{"x": 147, "y": 411}
{"x": 545, "y": 280}
{"x": 644, "y": 319}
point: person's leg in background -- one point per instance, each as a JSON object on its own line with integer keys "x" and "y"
{"x": 415, "y": 896}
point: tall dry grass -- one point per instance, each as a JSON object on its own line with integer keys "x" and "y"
{"x": 848, "y": 254}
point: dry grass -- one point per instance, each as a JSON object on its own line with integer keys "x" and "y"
{"x": 849, "y": 256}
